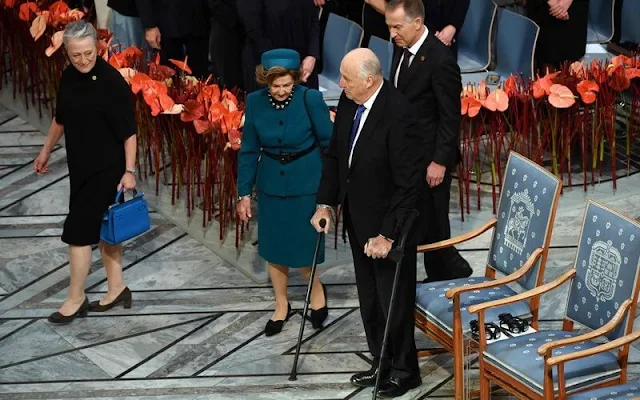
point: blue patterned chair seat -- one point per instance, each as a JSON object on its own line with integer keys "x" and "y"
{"x": 519, "y": 358}
{"x": 619, "y": 392}
{"x": 434, "y": 304}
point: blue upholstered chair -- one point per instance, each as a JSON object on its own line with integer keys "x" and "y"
{"x": 383, "y": 49}
{"x": 474, "y": 39}
{"x": 516, "y": 38}
{"x": 602, "y": 298}
{"x": 629, "y": 26}
{"x": 600, "y": 28}
{"x": 340, "y": 37}
{"x": 518, "y": 250}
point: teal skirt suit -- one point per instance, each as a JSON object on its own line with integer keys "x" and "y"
{"x": 286, "y": 192}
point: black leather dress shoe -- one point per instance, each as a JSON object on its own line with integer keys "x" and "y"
{"x": 275, "y": 327}
{"x": 59, "y": 319}
{"x": 396, "y": 387}
{"x": 124, "y": 297}
{"x": 368, "y": 378}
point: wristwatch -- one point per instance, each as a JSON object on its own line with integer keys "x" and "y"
{"x": 131, "y": 171}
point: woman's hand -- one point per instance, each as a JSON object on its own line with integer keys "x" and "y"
{"x": 308, "y": 64}
{"x": 446, "y": 34}
{"x": 243, "y": 208}
{"x": 127, "y": 182}
{"x": 332, "y": 116}
{"x": 41, "y": 163}
{"x": 559, "y": 8}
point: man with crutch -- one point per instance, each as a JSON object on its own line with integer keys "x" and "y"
{"x": 374, "y": 167}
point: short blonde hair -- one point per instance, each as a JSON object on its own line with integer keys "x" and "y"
{"x": 265, "y": 77}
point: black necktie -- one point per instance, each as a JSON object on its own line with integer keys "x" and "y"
{"x": 406, "y": 59}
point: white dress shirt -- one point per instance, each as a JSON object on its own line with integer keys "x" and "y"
{"x": 367, "y": 106}
{"x": 413, "y": 50}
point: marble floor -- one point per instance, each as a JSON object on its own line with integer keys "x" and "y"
{"x": 196, "y": 327}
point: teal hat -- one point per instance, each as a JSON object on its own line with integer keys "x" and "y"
{"x": 285, "y": 58}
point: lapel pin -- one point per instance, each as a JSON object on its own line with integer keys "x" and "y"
{"x": 421, "y": 58}
{"x": 94, "y": 77}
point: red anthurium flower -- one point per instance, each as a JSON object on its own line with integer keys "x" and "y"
{"x": 632, "y": 73}
{"x": 618, "y": 79}
{"x": 56, "y": 42}
{"x": 58, "y": 8}
{"x": 235, "y": 138}
{"x": 38, "y": 26}
{"x": 561, "y": 96}
{"x": 202, "y": 126}
{"x": 498, "y": 100}
{"x": 9, "y": 3}
{"x": 587, "y": 90}
{"x": 160, "y": 72}
{"x": 26, "y": 10}
{"x": 510, "y": 86}
{"x": 138, "y": 81}
{"x": 182, "y": 65}
{"x": 193, "y": 110}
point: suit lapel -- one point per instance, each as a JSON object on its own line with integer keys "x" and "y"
{"x": 344, "y": 122}
{"x": 374, "y": 116}
{"x": 416, "y": 64}
{"x": 397, "y": 53}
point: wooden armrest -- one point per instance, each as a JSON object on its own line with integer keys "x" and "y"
{"x": 457, "y": 239}
{"x": 614, "y": 344}
{"x": 603, "y": 330}
{"x": 498, "y": 282}
{"x": 524, "y": 295}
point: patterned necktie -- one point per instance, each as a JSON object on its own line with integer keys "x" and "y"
{"x": 355, "y": 126}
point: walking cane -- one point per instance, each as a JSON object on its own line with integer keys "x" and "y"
{"x": 294, "y": 370}
{"x": 396, "y": 255}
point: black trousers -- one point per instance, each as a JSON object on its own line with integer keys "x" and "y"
{"x": 197, "y": 48}
{"x": 435, "y": 226}
{"x": 374, "y": 280}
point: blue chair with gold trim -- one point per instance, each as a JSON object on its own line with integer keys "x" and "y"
{"x": 602, "y": 298}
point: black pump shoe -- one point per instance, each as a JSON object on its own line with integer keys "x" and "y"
{"x": 124, "y": 297}
{"x": 319, "y": 316}
{"x": 274, "y": 327}
{"x": 59, "y": 319}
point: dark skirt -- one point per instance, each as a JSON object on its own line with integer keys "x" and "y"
{"x": 285, "y": 234}
{"x": 559, "y": 40}
{"x": 89, "y": 200}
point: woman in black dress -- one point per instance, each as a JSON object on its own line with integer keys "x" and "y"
{"x": 563, "y": 31}
{"x": 280, "y": 24}
{"x": 95, "y": 112}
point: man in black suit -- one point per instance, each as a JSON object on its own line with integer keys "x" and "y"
{"x": 374, "y": 167}
{"x": 426, "y": 72}
{"x": 171, "y": 25}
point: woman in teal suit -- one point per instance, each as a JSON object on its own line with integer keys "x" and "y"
{"x": 286, "y": 125}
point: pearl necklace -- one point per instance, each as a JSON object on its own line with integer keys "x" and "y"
{"x": 280, "y": 105}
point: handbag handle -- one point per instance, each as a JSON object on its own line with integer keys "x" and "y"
{"x": 121, "y": 194}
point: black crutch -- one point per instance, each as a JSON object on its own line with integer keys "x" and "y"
{"x": 397, "y": 254}
{"x": 294, "y": 371}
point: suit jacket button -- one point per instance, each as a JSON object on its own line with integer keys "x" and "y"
{"x": 281, "y": 122}
{"x": 347, "y": 180}
{"x": 281, "y": 172}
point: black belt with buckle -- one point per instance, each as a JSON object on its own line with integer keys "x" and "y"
{"x": 286, "y": 158}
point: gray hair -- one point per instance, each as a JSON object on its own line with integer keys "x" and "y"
{"x": 79, "y": 30}
{"x": 370, "y": 66}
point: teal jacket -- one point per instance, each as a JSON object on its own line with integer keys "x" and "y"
{"x": 289, "y": 130}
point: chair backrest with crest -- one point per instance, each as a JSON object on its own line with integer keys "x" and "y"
{"x": 526, "y": 212}
{"x": 606, "y": 266}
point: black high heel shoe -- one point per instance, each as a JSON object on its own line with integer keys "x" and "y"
{"x": 319, "y": 316}
{"x": 124, "y": 297}
{"x": 59, "y": 319}
{"x": 274, "y": 327}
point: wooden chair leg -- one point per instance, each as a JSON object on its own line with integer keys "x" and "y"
{"x": 458, "y": 370}
{"x": 477, "y": 395}
{"x": 431, "y": 352}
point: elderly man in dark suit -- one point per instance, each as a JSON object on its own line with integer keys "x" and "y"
{"x": 426, "y": 72}
{"x": 374, "y": 167}
{"x": 172, "y": 25}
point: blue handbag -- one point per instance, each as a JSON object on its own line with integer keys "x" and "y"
{"x": 125, "y": 220}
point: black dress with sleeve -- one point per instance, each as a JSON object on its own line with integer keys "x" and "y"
{"x": 275, "y": 24}
{"x": 97, "y": 112}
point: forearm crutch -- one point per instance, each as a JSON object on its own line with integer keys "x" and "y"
{"x": 294, "y": 369}
{"x": 396, "y": 255}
